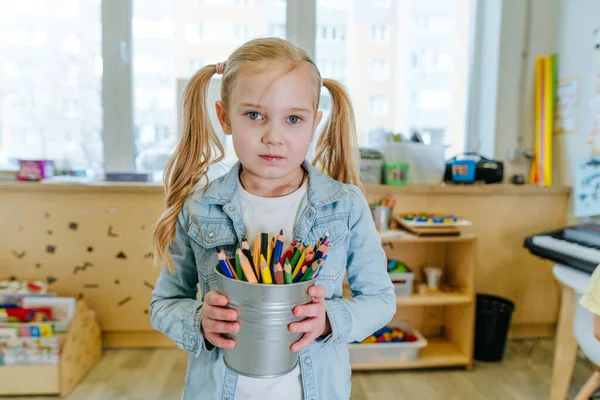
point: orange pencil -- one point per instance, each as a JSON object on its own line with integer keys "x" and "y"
{"x": 246, "y": 267}
{"x": 309, "y": 258}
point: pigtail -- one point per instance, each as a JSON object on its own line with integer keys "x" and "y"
{"x": 198, "y": 149}
{"x": 337, "y": 146}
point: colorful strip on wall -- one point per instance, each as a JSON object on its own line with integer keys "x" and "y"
{"x": 545, "y": 100}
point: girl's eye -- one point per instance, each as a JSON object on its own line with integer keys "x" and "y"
{"x": 294, "y": 119}
{"x": 253, "y": 115}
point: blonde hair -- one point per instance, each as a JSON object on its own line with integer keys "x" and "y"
{"x": 200, "y": 148}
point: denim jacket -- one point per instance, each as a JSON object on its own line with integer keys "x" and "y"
{"x": 212, "y": 217}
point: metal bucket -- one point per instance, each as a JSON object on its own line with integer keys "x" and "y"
{"x": 382, "y": 216}
{"x": 262, "y": 345}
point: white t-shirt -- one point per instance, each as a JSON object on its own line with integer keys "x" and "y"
{"x": 270, "y": 215}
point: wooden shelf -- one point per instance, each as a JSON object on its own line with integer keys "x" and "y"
{"x": 410, "y": 238}
{"x": 434, "y": 299}
{"x": 438, "y": 353}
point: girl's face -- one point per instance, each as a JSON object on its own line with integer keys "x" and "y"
{"x": 272, "y": 117}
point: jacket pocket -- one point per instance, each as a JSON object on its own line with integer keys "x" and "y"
{"x": 208, "y": 234}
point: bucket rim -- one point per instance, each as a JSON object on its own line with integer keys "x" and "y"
{"x": 273, "y": 286}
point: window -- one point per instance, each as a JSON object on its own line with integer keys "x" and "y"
{"x": 380, "y": 70}
{"x": 59, "y": 96}
{"x": 194, "y": 32}
{"x": 206, "y": 38}
{"x": 277, "y": 30}
{"x": 378, "y": 106}
{"x": 429, "y": 99}
{"x": 194, "y": 65}
{"x": 420, "y": 72}
{"x": 50, "y": 104}
{"x": 242, "y": 32}
{"x": 331, "y": 33}
{"x": 432, "y": 24}
{"x": 382, "y": 3}
{"x": 379, "y": 33}
{"x": 432, "y": 62}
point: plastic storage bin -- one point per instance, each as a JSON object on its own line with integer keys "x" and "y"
{"x": 403, "y": 283}
{"x": 371, "y": 167}
{"x": 389, "y": 352}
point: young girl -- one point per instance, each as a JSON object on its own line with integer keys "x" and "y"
{"x": 269, "y": 100}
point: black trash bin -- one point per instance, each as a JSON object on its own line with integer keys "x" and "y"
{"x": 492, "y": 321}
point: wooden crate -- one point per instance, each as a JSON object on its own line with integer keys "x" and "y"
{"x": 79, "y": 351}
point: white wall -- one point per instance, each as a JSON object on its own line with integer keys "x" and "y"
{"x": 514, "y": 32}
{"x": 576, "y": 40}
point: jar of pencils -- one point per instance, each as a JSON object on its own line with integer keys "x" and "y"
{"x": 262, "y": 345}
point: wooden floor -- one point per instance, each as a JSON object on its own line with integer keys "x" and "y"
{"x": 159, "y": 375}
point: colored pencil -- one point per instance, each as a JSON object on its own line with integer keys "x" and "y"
{"x": 270, "y": 254}
{"x": 247, "y": 253}
{"x": 287, "y": 272}
{"x": 295, "y": 264}
{"x": 264, "y": 245}
{"x": 311, "y": 271}
{"x": 224, "y": 266}
{"x": 235, "y": 275}
{"x": 246, "y": 267}
{"x": 238, "y": 267}
{"x": 289, "y": 252}
{"x": 266, "y": 273}
{"x": 279, "y": 274}
{"x": 277, "y": 250}
{"x": 309, "y": 258}
{"x": 256, "y": 255}
{"x": 300, "y": 274}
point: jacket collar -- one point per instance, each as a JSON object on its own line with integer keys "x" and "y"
{"x": 322, "y": 189}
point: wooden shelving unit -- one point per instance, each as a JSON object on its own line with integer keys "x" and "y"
{"x": 447, "y": 320}
{"x": 79, "y": 351}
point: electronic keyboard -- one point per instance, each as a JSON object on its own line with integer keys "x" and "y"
{"x": 575, "y": 246}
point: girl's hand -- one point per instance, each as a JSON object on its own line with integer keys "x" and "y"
{"x": 317, "y": 323}
{"x": 216, "y": 320}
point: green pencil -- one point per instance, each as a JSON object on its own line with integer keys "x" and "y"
{"x": 287, "y": 272}
{"x": 238, "y": 267}
{"x": 310, "y": 272}
{"x": 295, "y": 258}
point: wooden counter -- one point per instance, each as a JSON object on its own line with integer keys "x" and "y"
{"x": 95, "y": 240}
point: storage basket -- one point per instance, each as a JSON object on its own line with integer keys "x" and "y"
{"x": 389, "y": 352}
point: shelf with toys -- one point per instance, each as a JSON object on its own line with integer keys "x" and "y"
{"x": 434, "y": 280}
{"x": 47, "y": 343}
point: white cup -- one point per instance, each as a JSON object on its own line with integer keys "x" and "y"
{"x": 433, "y": 277}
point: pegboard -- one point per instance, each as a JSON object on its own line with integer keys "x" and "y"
{"x": 88, "y": 242}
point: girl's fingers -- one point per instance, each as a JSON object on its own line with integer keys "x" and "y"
{"x": 215, "y": 326}
{"x": 213, "y": 298}
{"x": 219, "y": 341}
{"x": 317, "y": 291}
{"x": 308, "y": 325}
{"x": 309, "y": 310}
{"x": 219, "y": 313}
{"x": 303, "y": 343}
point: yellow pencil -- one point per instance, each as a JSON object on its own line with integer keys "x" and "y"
{"x": 266, "y": 272}
{"x": 301, "y": 261}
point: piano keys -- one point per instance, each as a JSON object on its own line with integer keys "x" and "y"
{"x": 576, "y": 246}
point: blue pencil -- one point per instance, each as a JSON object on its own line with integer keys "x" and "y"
{"x": 277, "y": 251}
{"x": 224, "y": 265}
